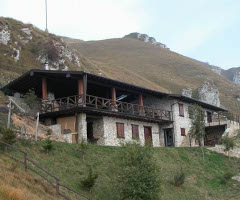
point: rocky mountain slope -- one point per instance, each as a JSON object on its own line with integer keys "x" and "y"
{"x": 135, "y": 58}
{"x": 232, "y": 74}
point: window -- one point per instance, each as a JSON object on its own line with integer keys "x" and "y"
{"x": 209, "y": 117}
{"x": 135, "y": 132}
{"x": 120, "y": 130}
{"x": 181, "y": 111}
{"x": 183, "y": 133}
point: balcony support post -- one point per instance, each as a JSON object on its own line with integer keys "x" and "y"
{"x": 82, "y": 89}
{"x": 44, "y": 88}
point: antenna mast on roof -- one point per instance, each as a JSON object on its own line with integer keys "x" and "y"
{"x": 46, "y": 30}
{"x": 46, "y": 15}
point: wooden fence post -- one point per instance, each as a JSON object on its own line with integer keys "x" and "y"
{"x": 9, "y": 114}
{"x": 25, "y": 162}
{"x": 37, "y": 123}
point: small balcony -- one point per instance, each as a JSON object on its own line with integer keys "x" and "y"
{"x": 221, "y": 118}
{"x": 103, "y": 105}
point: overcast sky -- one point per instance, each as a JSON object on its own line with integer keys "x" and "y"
{"x": 207, "y": 30}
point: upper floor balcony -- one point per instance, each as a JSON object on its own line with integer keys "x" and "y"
{"x": 94, "y": 104}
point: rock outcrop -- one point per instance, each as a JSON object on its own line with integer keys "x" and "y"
{"x": 209, "y": 93}
{"x": 187, "y": 92}
{"x": 236, "y": 78}
{"x": 145, "y": 38}
{"x": 217, "y": 70}
{"x": 4, "y": 34}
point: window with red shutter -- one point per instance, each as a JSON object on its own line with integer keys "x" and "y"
{"x": 135, "y": 132}
{"x": 120, "y": 130}
{"x": 183, "y": 133}
{"x": 181, "y": 111}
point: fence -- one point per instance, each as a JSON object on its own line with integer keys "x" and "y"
{"x": 30, "y": 164}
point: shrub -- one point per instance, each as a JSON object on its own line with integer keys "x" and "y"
{"x": 226, "y": 177}
{"x": 179, "y": 178}
{"x": 89, "y": 181}
{"x": 137, "y": 175}
{"x": 81, "y": 149}
{"x": 228, "y": 144}
{"x": 8, "y": 136}
{"x": 31, "y": 99}
{"x": 47, "y": 145}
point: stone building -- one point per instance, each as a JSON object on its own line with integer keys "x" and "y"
{"x": 82, "y": 106}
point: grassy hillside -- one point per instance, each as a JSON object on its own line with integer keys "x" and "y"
{"x": 150, "y": 66}
{"x": 15, "y": 184}
{"x": 204, "y": 178}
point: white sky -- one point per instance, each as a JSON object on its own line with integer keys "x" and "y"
{"x": 207, "y": 30}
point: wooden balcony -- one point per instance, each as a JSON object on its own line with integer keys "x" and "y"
{"x": 93, "y": 103}
{"x": 222, "y": 118}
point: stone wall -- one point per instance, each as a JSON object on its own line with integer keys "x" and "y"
{"x": 98, "y": 131}
{"x": 161, "y": 103}
{"x": 110, "y": 131}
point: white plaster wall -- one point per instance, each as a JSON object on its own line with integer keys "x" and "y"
{"x": 110, "y": 131}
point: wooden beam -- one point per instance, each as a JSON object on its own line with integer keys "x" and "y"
{"x": 44, "y": 88}
{"x": 80, "y": 87}
{"x": 140, "y": 99}
{"x": 114, "y": 95}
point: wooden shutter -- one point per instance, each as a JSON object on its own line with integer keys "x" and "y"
{"x": 181, "y": 111}
{"x": 135, "y": 132}
{"x": 183, "y": 133}
{"x": 120, "y": 130}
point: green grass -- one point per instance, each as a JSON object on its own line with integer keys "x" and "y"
{"x": 203, "y": 177}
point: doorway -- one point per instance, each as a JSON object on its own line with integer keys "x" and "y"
{"x": 148, "y": 135}
{"x": 168, "y": 137}
{"x": 90, "y": 132}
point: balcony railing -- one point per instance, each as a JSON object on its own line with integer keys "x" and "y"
{"x": 104, "y": 104}
{"x": 221, "y": 118}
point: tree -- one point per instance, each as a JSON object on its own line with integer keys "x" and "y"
{"x": 137, "y": 175}
{"x": 197, "y": 130}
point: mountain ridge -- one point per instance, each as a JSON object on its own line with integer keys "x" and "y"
{"x": 125, "y": 59}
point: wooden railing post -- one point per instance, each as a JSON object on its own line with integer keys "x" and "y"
{"x": 25, "y": 162}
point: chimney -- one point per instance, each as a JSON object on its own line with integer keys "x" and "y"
{"x": 46, "y": 65}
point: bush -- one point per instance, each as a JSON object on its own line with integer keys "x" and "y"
{"x": 89, "y": 181}
{"x": 179, "y": 178}
{"x": 81, "y": 149}
{"x": 137, "y": 175}
{"x": 226, "y": 177}
{"x": 8, "y": 136}
{"x": 228, "y": 143}
{"x": 47, "y": 145}
{"x": 31, "y": 99}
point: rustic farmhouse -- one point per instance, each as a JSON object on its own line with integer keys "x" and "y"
{"x": 82, "y": 106}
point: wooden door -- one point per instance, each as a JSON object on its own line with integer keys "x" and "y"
{"x": 148, "y": 135}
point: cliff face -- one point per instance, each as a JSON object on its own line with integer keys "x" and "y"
{"x": 232, "y": 74}
{"x": 209, "y": 93}
{"x": 145, "y": 38}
